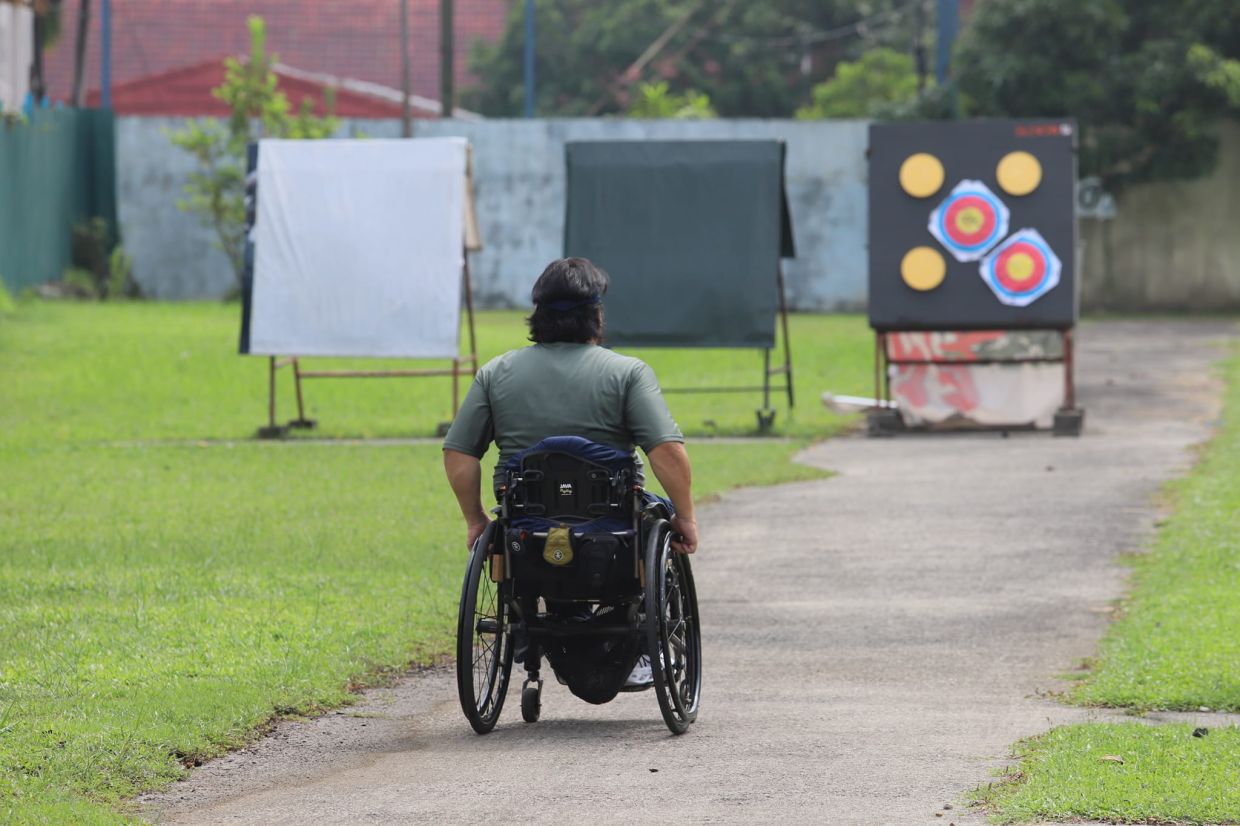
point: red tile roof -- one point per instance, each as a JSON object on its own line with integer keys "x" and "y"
{"x": 187, "y": 92}
{"x": 358, "y": 39}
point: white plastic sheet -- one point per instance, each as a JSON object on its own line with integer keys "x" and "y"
{"x": 985, "y": 394}
{"x": 359, "y": 247}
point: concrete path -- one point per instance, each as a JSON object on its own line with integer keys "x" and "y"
{"x": 874, "y": 642}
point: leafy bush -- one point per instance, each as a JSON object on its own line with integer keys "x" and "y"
{"x": 100, "y": 270}
{"x": 655, "y": 100}
{"x": 882, "y": 77}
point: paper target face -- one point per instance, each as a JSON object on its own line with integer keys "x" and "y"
{"x": 1022, "y": 269}
{"x": 970, "y": 221}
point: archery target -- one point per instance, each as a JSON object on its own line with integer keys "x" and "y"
{"x": 1022, "y": 269}
{"x": 970, "y": 221}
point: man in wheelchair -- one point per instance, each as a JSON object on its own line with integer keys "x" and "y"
{"x": 566, "y": 415}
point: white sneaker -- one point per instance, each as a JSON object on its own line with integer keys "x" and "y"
{"x": 641, "y": 676}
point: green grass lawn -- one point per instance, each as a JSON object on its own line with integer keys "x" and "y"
{"x": 163, "y": 594}
{"x": 1166, "y": 776}
{"x": 1176, "y": 646}
{"x": 147, "y": 371}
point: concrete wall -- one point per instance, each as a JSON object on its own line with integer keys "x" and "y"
{"x": 175, "y": 256}
{"x": 519, "y": 181}
{"x": 1171, "y": 246}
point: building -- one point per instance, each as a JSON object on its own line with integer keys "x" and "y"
{"x": 317, "y": 43}
{"x": 186, "y": 92}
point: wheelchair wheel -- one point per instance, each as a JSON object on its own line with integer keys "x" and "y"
{"x": 673, "y": 636}
{"x": 483, "y": 641}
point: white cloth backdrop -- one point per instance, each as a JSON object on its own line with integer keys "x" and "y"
{"x": 358, "y": 248}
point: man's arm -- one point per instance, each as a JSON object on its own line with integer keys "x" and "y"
{"x": 670, "y": 463}
{"x": 465, "y": 476}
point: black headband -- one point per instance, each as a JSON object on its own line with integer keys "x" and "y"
{"x": 565, "y": 305}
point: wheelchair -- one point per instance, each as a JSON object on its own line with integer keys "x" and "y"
{"x": 578, "y": 569}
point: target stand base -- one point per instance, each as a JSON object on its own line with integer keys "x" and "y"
{"x": 1069, "y": 421}
{"x": 277, "y": 431}
{"x": 883, "y": 422}
{"x": 303, "y": 424}
{"x": 766, "y": 420}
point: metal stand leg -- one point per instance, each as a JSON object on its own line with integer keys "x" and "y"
{"x": 271, "y": 430}
{"x": 882, "y": 421}
{"x": 1069, "y": 419}
{"x": 783, "y": 321}
{"x": 301, "y": 422}
{"x": 766, "y": 416}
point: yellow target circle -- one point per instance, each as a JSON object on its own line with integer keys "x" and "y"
{"x": 923, "y": 268}
{"x": 970, "y": 220}
{"x": 921, "y": 175}
{"x": 1019, "y": 173}
{"x": 1020, "y": 267}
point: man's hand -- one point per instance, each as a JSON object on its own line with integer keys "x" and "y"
{"x": 474, "y": 530}
{"x": 687, "y": 529}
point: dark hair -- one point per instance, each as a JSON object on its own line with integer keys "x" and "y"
{"x": 575, "y": 287}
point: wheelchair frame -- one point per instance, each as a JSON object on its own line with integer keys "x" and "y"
{"x": 660, "y": 611}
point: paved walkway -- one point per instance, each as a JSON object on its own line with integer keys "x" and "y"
{"x": 874, "y": 642}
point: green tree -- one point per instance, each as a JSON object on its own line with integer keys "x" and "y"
{"x": 1216, "y": 71}
{"x": 750, "y": 59}
{"x": 216, "y": 192}
{"x": 1121, "y": 67}
{"x": 654, "y": 100}
{"x": 861, "y": 88}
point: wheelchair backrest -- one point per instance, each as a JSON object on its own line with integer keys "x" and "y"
{"x": 566, "y": 488}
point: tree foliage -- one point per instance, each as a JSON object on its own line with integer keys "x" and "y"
{"x": 1124, "y": 68}
{"x": 750, "y": 59}
{"x": 654, "y": 100}
{"x": 861, "y": 88}
{"x": 216, "y": 192}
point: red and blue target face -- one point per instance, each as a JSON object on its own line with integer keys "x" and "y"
{"x": 1022, "y": 269}
{"x": 970, "y": 221}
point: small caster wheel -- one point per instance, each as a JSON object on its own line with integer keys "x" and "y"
{"x": 531, "y": 701}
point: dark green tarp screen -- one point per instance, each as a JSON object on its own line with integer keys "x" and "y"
{"x": 691, "y": 233}
{"x": 55, "y": 170}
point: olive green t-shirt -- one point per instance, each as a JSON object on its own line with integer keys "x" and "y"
{"x": 561, "y": 389}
